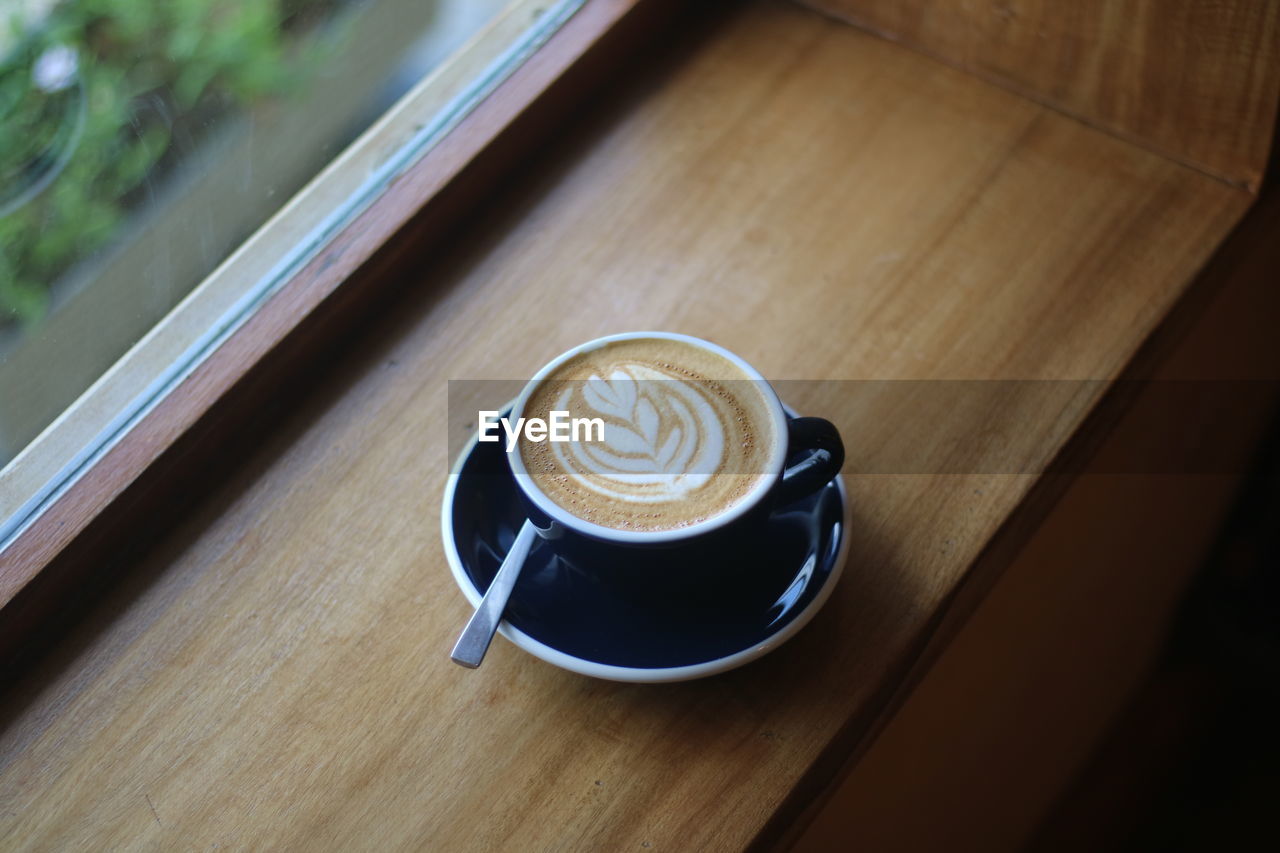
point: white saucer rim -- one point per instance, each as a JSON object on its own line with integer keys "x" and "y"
{"x": 638, "y": 675}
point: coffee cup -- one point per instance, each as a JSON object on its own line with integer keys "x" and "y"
{"x": 668, "y": 441}
{"x": 693, "y": 445}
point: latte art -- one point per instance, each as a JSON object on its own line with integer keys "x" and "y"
{"x": 687, "y": 435}
{"x": 661, "y": 441}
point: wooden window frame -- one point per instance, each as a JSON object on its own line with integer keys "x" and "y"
{"x": 146, "y": 475}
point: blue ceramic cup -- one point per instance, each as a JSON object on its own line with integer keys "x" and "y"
{"x": 806, "y": 453}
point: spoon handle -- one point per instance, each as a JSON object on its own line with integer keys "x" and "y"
{"x": 475, "y": 639}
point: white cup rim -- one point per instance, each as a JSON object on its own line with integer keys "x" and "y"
{"x": 758, "y": 491}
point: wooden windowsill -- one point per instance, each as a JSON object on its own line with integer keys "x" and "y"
{"x": 829, "y": 205}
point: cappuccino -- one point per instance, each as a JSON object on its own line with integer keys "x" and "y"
{"x": 688, "y": 434}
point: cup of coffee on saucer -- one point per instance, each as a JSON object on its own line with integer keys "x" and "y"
{"x": 664, "y": 489}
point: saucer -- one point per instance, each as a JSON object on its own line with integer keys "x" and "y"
{"x": 587, "y": 622}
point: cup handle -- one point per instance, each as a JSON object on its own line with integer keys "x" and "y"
{"x": 819, "y": 467}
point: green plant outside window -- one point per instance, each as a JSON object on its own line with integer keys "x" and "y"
{"x": 92, "y": 95}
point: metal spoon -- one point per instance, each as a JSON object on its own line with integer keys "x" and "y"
{"x": 474, "y": 642}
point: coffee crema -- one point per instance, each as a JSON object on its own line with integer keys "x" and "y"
{"x": 687, "y": 435}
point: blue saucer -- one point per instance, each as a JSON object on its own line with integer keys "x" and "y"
{"x": 587, "y": 622}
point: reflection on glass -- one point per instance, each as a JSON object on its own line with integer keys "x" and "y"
{"x": 140, "y": 143}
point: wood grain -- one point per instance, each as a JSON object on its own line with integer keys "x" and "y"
{"x": 1009, "y": 713}
{"x": 1197, "y": 81}
{"x": 276, "y": 674}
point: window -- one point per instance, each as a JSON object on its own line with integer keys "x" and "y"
{"x": 142, "y": 149}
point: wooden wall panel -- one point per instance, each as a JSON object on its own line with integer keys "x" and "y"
{"x": 1198, "y": 81}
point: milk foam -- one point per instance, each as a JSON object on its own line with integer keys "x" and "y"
{"x": 687, "y": 435}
